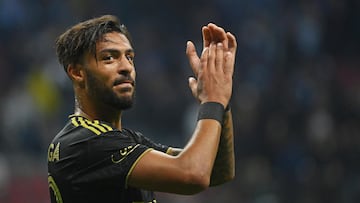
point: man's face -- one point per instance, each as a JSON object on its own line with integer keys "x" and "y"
{"x": 110, "y": 77}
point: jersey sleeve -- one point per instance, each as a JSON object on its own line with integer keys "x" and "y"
{"x": 89, "y": 161}
{"x": 108, "y": 159}
{"x": 140, "y": 138}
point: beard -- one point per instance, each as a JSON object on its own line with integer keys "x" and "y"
{"x": 103, "y": 94}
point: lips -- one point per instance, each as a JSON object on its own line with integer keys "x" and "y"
{"x": 121, "y": 81}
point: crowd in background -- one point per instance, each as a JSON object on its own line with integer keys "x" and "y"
{"x": 296, "y": 95}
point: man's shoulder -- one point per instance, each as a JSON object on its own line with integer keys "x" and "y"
{"x": 77, "y": 124}
{"x": 96, "y": 127}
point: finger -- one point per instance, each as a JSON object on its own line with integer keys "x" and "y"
{"x": 230, "y": 54}
{"x": 218, "y": 34}
{"x": 193, "y": 86}
{"x": 193, "y": 57}
{"x": 229, "y": 63}
{"x": 211, "y": 58}
{"x": 203, "y": 63}
{"x": 206, "y": 36}
{"x": 219, "y": 57}
{"x": 232, "y": 42}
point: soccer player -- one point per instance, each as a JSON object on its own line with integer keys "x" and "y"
{"x": 95, "y": 159}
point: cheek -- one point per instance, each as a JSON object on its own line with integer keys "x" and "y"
{"x": 96, "y": 79}
{"x": 133, "y": 75}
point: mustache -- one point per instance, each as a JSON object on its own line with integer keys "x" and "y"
{"x": 124, "y": 79}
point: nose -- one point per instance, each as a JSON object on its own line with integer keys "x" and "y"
{"x": 125, "y": 66}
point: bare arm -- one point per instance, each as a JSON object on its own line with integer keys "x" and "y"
{"x": 189, "y": 172}
{"x": 224, "y": 166}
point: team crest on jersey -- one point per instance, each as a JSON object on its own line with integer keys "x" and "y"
{"x": 122, "y": 154}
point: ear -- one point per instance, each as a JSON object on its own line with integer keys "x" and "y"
{"x": 76, "y": 73}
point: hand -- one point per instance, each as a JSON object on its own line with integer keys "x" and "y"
{"x": 214, "y": 69}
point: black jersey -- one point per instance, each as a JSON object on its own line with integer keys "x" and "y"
{"x": 89, "y": 161}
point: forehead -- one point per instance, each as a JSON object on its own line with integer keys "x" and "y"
{"x": 113, "y": 40}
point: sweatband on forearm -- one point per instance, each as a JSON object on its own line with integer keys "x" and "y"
{"x": 211, "y": 110}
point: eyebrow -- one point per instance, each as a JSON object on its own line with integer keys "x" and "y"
{"x": 127, "y": 51}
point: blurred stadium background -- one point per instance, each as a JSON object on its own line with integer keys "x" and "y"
{"x": 296, "y": 100}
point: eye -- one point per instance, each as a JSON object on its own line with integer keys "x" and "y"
{"x": 130, "y": 57}
{"x": 108, "y": 58}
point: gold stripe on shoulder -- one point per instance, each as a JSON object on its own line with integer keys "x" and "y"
{"x": 85, "y": 125}
{"x": 109, "y": 128}
{"x": 96, "y": 125}
{"x": 74, "y": 122}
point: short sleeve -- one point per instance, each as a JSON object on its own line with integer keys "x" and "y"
{"x": 89, "y": 161}
{"x": 108, "y": 159}
{"x": 140, "y": 138}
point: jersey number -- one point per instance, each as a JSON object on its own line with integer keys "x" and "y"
{"x": 54, "y": 189}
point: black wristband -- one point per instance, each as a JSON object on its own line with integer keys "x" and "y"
{"x": 211, "y": 110}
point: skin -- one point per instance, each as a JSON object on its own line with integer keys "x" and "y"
{"x": 224, "y": 166}
{"x": 209, "y": 154}
{"x": 114, "y": 62}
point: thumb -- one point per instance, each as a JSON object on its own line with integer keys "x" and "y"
{"x": 193, "y": 86}
{"x": 193, "y": 58}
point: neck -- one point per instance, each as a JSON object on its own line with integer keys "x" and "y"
{"x": 110, "y": 115}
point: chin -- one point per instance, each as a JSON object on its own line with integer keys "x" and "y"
{"x": 125, "y": 102}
